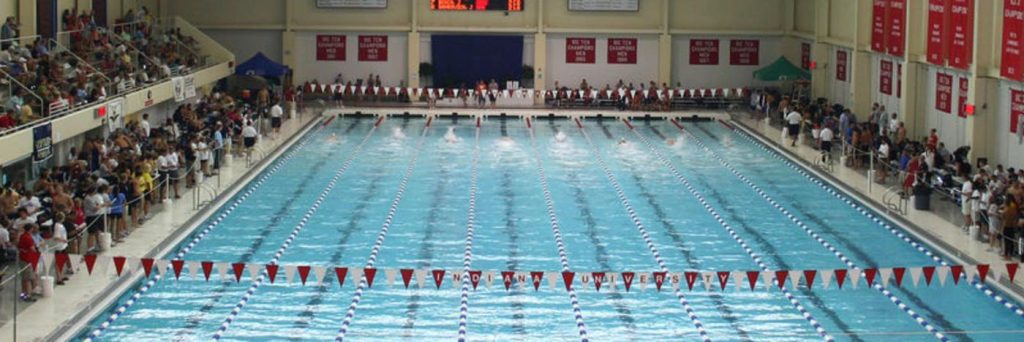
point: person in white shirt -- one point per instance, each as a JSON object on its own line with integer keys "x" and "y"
{"x": 826, "y": 136}
{"x": 793, "y": 120}
{"x": 144, "y": 124}
{"x": 883, "y": 158}
{"x": 275, "y": 119}
{"x": 894, "y": 124}
{"x": 59, "y": 242}
{"x": 249, "y": 135}
{"x": 967, "y": 204}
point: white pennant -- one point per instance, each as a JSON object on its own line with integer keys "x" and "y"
{"x": 826, "y": 278}
{"x": 321, "y": 87}
{"x": 387, "y": 91}
{"x": 970, "y": 271}
{"x": 320, "y": 273}
{"x": 376, "y": 90}
{"x": 646, "y": 92}
{"x": 552, "y": 279}
{"x": 593, "y": 93}
{"x": 671, "y": 93}
{"x": 362, "y": 90}
{"x": 885, "y": 273}
{"x": 677, "y": 279}
{"x": 622, "y": 92}
{"x": 254, "y": 270}
{"x": 334, "y": 88}
{"x": 581, "y": 93}
{"x": 289, "y": 273}
{"x": 915, "y": 275}
{"x": 357, "y": 275}
{"x": 766, "y": 277}
{"x": 726, "y": 92}
{"x": 488, "y": 278}
{"x": 531, "y": 93}
{"x": 608, "y": 93}
{"x": 643, "y": 279}
{"x": 660, "y": 93}
{"x": 430, "y": 92}
{"x": 409, "y": 91}
{"x": 522, "y": 278}
{"x": 421, "y": 278}
{"x": 739, "y": 91}
{"x": 456, "y": 92}
{"x": 610, "y": 280}
{"x": 794, "y": 279}
{"x": 456, "y": 278}
{"x": 738, "y": 277}
{"x": 193, "y": 269}
{"x": 702, "y": 92}
{"x": 389, "y": 275}
{"x": 161, "y": 266}
{"x": 222, "y": 271}
{"x": 854, "y": 277}
{"x": 632, "y": 93}
{"x": 943, "y": 272}
{"x": 584, "y": 281}
{"x": 708, "y": 279}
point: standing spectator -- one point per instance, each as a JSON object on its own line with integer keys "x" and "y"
{"x": 59, "y": 240}
{"x": 144, "y": 125}
{"x": 249, "y": 135}
{"x": 27, "y": 251}
{"x": 826, "y": 136}
{"x": 117, "y": 199}
{"x": 793, "y": 120}
{"x": 275, "y": 120}
{"x": 94, "y": 207}
{"x": 933, "y": 139}
{"x": 967, "y": 204}
{"x": 8, "y": 31}
{"x": 218, "y": 145}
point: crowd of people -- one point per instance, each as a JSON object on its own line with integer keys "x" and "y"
{"x": 86, "y": 64}
{"x": 112, "y": 185}
{"x": 989, "y": 196}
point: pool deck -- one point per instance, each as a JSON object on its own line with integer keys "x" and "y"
{"x": 929, "y": 224}
{"x": 48, "y": 318}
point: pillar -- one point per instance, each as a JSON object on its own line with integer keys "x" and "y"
{"x": 413, "y": 63}
{"x": 665, "y": 58}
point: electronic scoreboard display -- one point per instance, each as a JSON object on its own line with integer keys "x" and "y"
{"x": 476, "y": 5}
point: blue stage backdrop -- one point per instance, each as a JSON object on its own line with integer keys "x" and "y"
{"x": 461, "y": 59}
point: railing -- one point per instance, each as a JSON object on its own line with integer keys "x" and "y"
{"x": 896, "y": 200}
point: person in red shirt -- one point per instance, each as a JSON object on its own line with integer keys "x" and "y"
{"x": 7, "y": 120}
{"x": 933, "y": 139}
{"x": 27, "y": 255}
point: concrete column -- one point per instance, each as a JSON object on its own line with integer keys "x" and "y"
{"x": 665, "y": 58}
{"x": 860, "y": 74}
{"x": 413, "y": 68}
{"x": 984, "y": 81}
{"x": 540, "y": 60}
{"x": 821, "y": 53}
{"x": 27, "y": 17}
{"x": 287, "y": 48}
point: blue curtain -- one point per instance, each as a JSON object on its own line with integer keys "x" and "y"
{"x": 462, "y": 59}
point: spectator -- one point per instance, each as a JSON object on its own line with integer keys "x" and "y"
{"x": 28, "y": 254}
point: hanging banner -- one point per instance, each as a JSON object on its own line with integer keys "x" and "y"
{"x": 805, "y": 56}
{"x": 841, "y": 65}
{"x": 961, "y": 33}
{"x": 621, "y": 50}
{"x": 943, "y": 91}
{"x": 190, "y": 86}
{"x": 899, "y": 80}
{"x": 961, "y": 104}
{"x": 1013, "y": 24}
{"x": 744, "y": 52}
{"x": 330, "y": 47}
{"x": 42, "y": 142}
{"x": 580, "y": 50}
{"x": 703, "y": 51}
{"x": 897, "y": 27}
{"x": 179, "y": 88}
{"x": 885, "y": 77}
{"x": 1016, "y": 112}
{"x": 373, "y": 48}
{"x": 879, "y": 26}
{"x": 937, "y": 43}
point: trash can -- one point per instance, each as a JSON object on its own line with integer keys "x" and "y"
{"x": 922, "y": 197}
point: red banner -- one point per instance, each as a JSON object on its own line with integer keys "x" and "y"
{"x": 885, "y": 77}
{"x": 1013, "y": 24}
{"x": 943, "y": 92}
{"x": 937, "y": 44}
{"x": 373, "y": 48}
{"x": 744, "y": 52}
{"x": 961, "y": 33}
{"x": 841, "y": 65}
{"x": 330, "y": 47}
{"x": 580, "y": 50}
{"x": 621, "y": 50}
{"x": 899, "y": 80}
{"x": 879, "y": 26}
{"x": 1016, "y": 109}
{"x": 961, "y": 104}
{"x": 703, "y": 51}
{"x": 805, "y": 56}
{"x": 897, "y": 27}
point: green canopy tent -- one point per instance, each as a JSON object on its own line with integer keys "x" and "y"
{"x": 781, "y": 70}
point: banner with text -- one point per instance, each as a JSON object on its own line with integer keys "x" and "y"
{"x": 373, "y": 48}
{"x": 621, "y": 50}
{"x": 703, "y": 51}
{"x": 841, "y": 65}
{"x": 937, "y": 43}
{"x": 897, "y": 25}
{"x": 580, "y": 50}
{"x": 330, "y": 47}
{"x": 1013, "y": 24}
{"x": 744, "y": 52}
{"x": 961, "y": 97}
{"x": 42, "y": 142}
{"x": 805, "y": 56}
{"x": 943, "y": 92}
{"x": 1016, "y": 110}
{"x": 879, "y": 25}
{"x": 885, "y": 77}
{"x": 961, "y": 33}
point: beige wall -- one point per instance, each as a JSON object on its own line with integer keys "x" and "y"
{"x": 212, "y": 13}
{"x": 728, "y": 15}
{"x": 558, "y": 17}
{"x": 304, "y": 14}
{"x": 842, "y": 20}
{"x": 8, "y": 8}
{"x": 803, "y": 16}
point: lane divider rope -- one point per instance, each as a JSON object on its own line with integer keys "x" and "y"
{"x": 467, "y": 258}
{"x": 728, "y": 228}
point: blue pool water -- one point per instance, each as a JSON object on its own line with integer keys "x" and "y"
{"x": 401, "y": 199}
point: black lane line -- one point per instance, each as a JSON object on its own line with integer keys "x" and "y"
{"x": 277, "y": 217}
{"x": 512, "y": 261}
{"x": 504, "y": 127}
{"x": 933, "y": 315}
{"x": 625, "y": 315}
{"x": 426, "y": 252}
{"x": 677, "y": 239}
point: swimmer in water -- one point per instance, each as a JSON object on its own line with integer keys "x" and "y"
{"x": 450, "y": 136}
{"x": 561, "y": 137}
{"x": 333, "y": 137}
{"x": 622, "y": 141}
{"x": 670, "y": 142}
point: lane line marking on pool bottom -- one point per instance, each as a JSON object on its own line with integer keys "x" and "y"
{"x": 202, "y": 234}
{"x": 467, "y": 258}
{"x": 292, "y": 236}
{"x": 732, "y": 232}
{"x": 978, "y": 285}
{"x": 690, "y": 312}
{"x": 350, "y": 314}
{"x": 549, "y": 204}
{"x": 842, "y": 257}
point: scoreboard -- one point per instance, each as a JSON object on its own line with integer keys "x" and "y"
{"x": 477, "y": 5}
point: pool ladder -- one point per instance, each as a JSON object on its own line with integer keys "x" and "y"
{"x": 255, "y": 155}
{"x": 198, "y": 192}
{"x": 895, "y": 200}
{"x": 826, "y": 164}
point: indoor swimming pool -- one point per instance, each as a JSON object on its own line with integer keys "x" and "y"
{"x": 508, "y": 195}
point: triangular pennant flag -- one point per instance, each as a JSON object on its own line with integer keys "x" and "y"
{"x": 702, "y": 92}
{"x": 632, "y": 93}
{"x": 585, "y": 280}
{"x": 598, "y": 280}
{"x": 222, "y": 271}
{"x": 362, "y": 90}
{"x": 608, "y": 93}
{"x": 929, "y": 271}
{"x": 552, "y": 279}
{"x": 303, "y": 273}
{"x": 271, "y": 272}
{"x": 1011, "y": 270}
{"x": 207, "y": 268}
{"x": 970, "y": 272}
{"x": 357, "y": 276}
{"x": 176, "y": 264}
{"x": 90, "y": 261}
{"x": 421, "y": 278}
{"x": 407, "y": 276}
{"x": 409, "y": 91}
{"x": 161, "y": 266}
{"x": 840, "y": 277}
{"x": 340, "y": 272}
{"x": 62, "y": 259}
{"x": 739, "y": 91}
{"x": 726, "y": 92}
{"x": 768, "y": 283}
{"x": 506, "y": 278}
{"x": 915, "y": 275}
{"x": 370, "y": 274}
{"x": 691, "y": 277}
{"x": 521, "y": 278}
{"x": 659, "y": 279}
{"x": 193, "y": 269}
{"x": 389, "y": 276}
{"x": 622, "y": 92}
{"x": 752, "y": 279}
{"x": 723, "y": 278}
{"x": 899, "y": 272}
{"x": 376, "y": 90}
{"x": 885, "y": 273}
{"x": 826, "y": 278}
{"x": 321, "y": 87}
{"x": 794, "y": 279}
{"x": 627, "y": 279}
{"x": 456, "y": 92}
{"x": 474, "y": 278}
{"x": 809, "y": 278}
{"x": 334, "y": 88}
{"x": 456, "y": 277}
{"x": 737, "y": 278}
{"x": 488, "y": 277}
{"x": 119, "y": 264}
{"x": 430, "y": 92}
{"x": 387, "y": 91}
{"x": 644, "y": 279}
{"x": 646, "y": 92}
{"x": 707, "y": 279}
{"x": 537, "y": 277}
{"x": 438, "y": 277}
{"x": 238, "y": 268}
{"x": 47, "y": 259}
{"x": 659, "y": 93}
{"x": 943, "y": 272}
{"x": 982, "y": 272}
{"x": 671, "y": 93}
{"x": 957, "y": 272}
{"x": 254, "y": 270}
{"x": 780, "y": 276}
{"x": 320, "y": 272}
{"x": 567, "y": 279}
{"x": 289, "y": 273}
{"x": 855, "y": 278}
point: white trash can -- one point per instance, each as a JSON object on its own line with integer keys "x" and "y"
{"x": 104, "y": 241}
{"x": 46, "y": 283}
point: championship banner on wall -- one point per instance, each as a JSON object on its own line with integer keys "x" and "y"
{"x": 703, "y": 51}
{"x": 330, "y": 47}
{"x": 1016, "y": 111}
{"x": 885, "y": 77}
{"x": 1013, "y": 24}
{"x": 178, "y": 83}
{"x": 621, "y": 50}
{"x": 879, "y": 25}
{"x": 961, "y": 33}
{"x": 42, "y": 142}
{"x": 744, "y": 52}
{"x": 943, "y": 92}
{"x": 961, "y": 97}
{"x": 190, "y": 86}
{"x": 580, "y": 50}
{"x": 937, "y": 44}
{"x": 897, "y": 27}
{"x": 841, "y": 65}
{"x": 805, "y": 56}
{"x": 373, "y": 48}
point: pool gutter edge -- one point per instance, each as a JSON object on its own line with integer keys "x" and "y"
{"x": 70, "y": 328}
{"x": 1012, "y": 290}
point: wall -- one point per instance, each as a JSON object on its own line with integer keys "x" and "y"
{"x": 426, "y": 57}
{"x": 842, "y": 20}
{"x": 951, "y": 128}
{"x": 891, "y": 102}
{"x": 305, "y": 15}
{"x": 212, "y": 13}
{"x": 8, "y": 9}
{"x": 558, "y": 17}
{"x": 727, "y": 15}
{"x": 723, "y": 74}
{"x": 1008, "y": 147}
{"x": 803, "y": 16}
{"x": 308, "y": 68}
{"x": 839, "y": 91}
{"x": 601, "y": 73}
{"x": 246, "y": 43}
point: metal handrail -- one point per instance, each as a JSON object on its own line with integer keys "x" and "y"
{"x": 56, "y": 46}
{"x": 895, "y": 200}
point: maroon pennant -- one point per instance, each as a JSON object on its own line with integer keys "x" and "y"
{"x": 780, "y": 277}
{"x": 238, "y": 268}
{"x": 340, "y": 272}
{"x": 438, "y": 277}
{"x": 536, "y": 276}
{"x": 598, "y": 279}
{"x": 840, "y": 277}
{"x": 406, "y": 276}
{"x": 809, "y": 277}
{"x": 982, "y": 271}
{"x": 567, "y": 278}
{"x": 723, "y": 278}
{"x": 207, "y": 268}
{"x": 691, "y": 277}
{"x": 659, "y": 279}
{"x": 303, "y": 273}
{"x": 869, "y": 275}
{"x": 627, "y": 279}
{"x": 272, "y": 272}
{"x": 752, "y": 278}
{"x": 177, "y": 264}
{"x": 506, "y": 277}
{"x": 147, "y": 265}
{"x": 898, "y": 272}
{"x": 929, "y": 272}
{"x": 369, "y": 273}
{"x": 119, "y": 264}
{"x": 1011, "y": 270}
{"x": 957, "y": 271}
{"x": 90, "y": 261}
{"x": 61, "y": 259}
{"x": 474, "y": 277}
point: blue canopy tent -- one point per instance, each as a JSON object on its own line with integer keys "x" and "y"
{"x": 261, "y": 65}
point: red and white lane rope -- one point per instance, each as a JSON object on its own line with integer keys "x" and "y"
{"x": 467, "y": 258}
